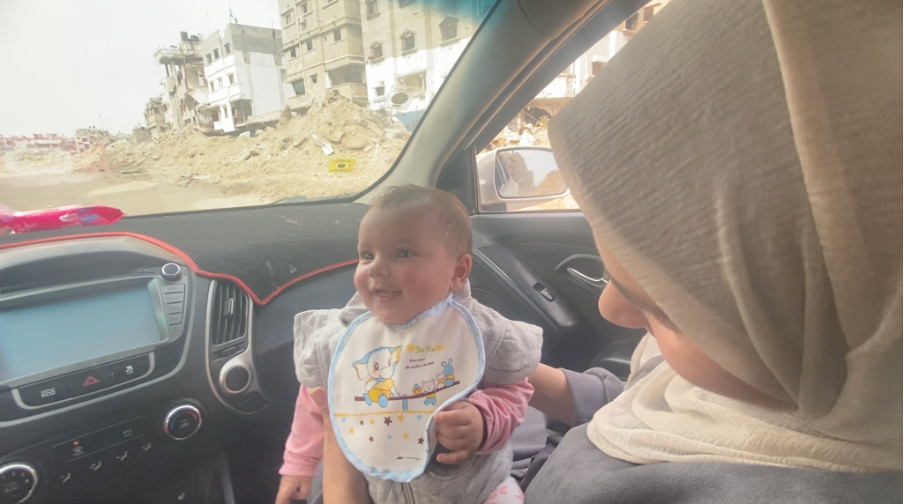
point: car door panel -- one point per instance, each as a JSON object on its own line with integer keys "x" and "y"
{"x": 525, "y": 251}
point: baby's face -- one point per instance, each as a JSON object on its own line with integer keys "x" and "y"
{"x": 405, "y": 266}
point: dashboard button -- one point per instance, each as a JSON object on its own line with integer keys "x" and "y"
{"x": 89, "y": 380}
{"x": 174, "y": 297}
{"x": 173, "y": 318}
{"x": 77, "y": 448}
{"x": 173, "y": 307}
{"x": 169, "y": 289}
{"x": 145, "y": 447}
{"x": 129, "y": 369}
{"x": 125, "y": 431}
{"x": 44, "y": 392}
{"x": 66, "y": 477}
{"x": 93, "y": 465}
{"x": 122, "y": 456}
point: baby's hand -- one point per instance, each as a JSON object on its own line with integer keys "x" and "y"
{"x": 293, "y": 488}
{"x": 459, "y": 428}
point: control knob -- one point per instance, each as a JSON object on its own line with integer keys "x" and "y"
{"x": 182, "y": 422}
{"x": 17, "y": 482}
{"x": 171, "y": 272}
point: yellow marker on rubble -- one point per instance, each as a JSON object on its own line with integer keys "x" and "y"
{"x": 342, "y": 165}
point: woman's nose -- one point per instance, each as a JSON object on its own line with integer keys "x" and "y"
{"x": 618, "y": 310}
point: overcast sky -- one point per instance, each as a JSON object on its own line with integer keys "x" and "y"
{"x": 66, "y": 63}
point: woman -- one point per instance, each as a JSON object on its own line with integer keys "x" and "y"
{"x": 762, "y": 146}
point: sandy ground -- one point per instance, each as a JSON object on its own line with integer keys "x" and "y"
{"x": 33, "y": 186}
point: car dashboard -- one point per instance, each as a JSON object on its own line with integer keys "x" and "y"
{"x": 116, "y": 361}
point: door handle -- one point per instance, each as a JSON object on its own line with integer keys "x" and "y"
{"x": 589, "y": 281}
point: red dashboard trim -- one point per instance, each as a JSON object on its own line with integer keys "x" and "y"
{"x": 188, "y": 260}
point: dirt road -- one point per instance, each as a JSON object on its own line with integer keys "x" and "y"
{"x": 26, "y": 186}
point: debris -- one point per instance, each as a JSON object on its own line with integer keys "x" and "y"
{"x": 115, "y": 144}
{"x": 248, "y": 153}
{"x": 285, "y": 116}
{"x": 334, "y": 135}
{"x": 274, "y": 164}
{"x": 324, "y": 146}
{"x": 129, "y": 172}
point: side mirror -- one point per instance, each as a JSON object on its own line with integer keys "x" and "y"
{"x": 514, "y": 178}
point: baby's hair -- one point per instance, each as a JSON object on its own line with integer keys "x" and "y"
{"x": 453, "y": 216}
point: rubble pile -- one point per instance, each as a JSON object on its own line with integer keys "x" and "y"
{"x": 290, "y": 159}
{"x": 36, "y": 158}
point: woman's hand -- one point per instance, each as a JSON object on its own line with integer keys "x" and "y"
{"x": 552, "y": 395}
{"x": 342, "y": 483}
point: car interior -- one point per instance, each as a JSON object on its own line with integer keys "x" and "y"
{"x": 196, "y": 403}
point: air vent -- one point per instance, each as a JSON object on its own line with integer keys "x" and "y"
{"x": 228, "y": 313}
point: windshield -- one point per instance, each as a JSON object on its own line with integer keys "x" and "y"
{"x": 178, "y": 105}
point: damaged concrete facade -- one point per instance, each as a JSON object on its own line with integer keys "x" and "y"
{"x": 244, "y": 70}
{"x": 412, "y": 46}
{"x": 323, "y": 49}
{"x": 184, "y": 86}
{"x": 84, "y": 137}
{"x": 154, "y": 117}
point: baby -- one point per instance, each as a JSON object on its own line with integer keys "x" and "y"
{"x": 414, "y": 249}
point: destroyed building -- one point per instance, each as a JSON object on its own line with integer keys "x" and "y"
{"x": 84, "y": 137}
{"x": 323, "y": 49}
{"x": 184, "y": 86}
{"x": 412, "y": 45}
{"x": 244, "y": 70}
{"x": 154, "y": 118}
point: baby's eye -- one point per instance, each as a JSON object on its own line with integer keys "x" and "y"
{"x": 404, "y": 253}
{"x": 365, "y": 256}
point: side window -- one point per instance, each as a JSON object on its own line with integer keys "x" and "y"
{"x": 517, "y": 170}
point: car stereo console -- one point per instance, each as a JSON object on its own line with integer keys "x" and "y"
{"x": 79, "y": 320}
{"x": 66, "y": 343}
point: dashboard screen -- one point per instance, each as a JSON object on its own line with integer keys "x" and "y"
{"x": 52, "y": 335}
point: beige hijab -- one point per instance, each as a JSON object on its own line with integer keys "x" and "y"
{"x": 744, "y": 164}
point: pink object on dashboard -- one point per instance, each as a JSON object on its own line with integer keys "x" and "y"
{"x": 56, "y": 218}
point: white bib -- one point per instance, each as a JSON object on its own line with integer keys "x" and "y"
{"x": 386, "y": 382}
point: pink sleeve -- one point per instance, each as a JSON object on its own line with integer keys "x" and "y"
{"x": 503, "y": 408}
{"x": 304, "y": 448}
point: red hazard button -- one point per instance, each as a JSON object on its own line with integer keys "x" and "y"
{"x": 89, "y": 380}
